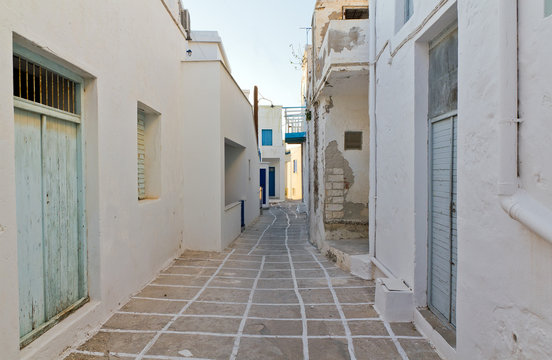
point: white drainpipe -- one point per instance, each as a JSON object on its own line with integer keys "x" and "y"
{"x": 517, "y": 203}
{"x": 373, "y": 132}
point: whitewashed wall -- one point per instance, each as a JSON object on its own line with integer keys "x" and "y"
{"x": 501, "y": 261}
{"x": 504, "y": 284}
{"x": 128, "y": 52}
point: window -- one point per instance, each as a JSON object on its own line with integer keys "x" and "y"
{"x": 408, "y": 9}
{"x": 267, "y": 137}
{"x": 354, "y": 13}
{"x": 353, "y": 140}
{"x": 404, "y": 9}
{"x": 547, "y": 7}
{"x": 148, "y": 153}
{"x": 141, "y": 155}
{"x": 40, "y": 85}
{"x": 295, "y": 166}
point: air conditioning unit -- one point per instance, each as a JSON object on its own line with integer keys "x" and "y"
{"x": 185, "y": 21}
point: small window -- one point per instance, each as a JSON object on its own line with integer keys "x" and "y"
{"x": 267, "y": 137}
{"x": 149, "y": 154}
{"x": 547, "y": 8}
{"x": 408, "y": 9}
{"x": 355, "y": 13}
{"x": 353, "y": 140}
{"x": 40, "y": 85}
{"x": 295, "y": 166}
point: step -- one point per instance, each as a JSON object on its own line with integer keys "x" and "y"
{"x": 349, "y": 255}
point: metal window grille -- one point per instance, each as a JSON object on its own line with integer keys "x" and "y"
{"x": 40, "y": 85}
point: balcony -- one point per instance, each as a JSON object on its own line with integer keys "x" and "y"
{"x": 344, "y": 53}
{"x": 295, "y": 124}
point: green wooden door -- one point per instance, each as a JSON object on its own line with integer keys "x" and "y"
{"x": 49, "y": 243}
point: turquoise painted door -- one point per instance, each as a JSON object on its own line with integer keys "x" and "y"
{"x": 443, "y": 243}
{"x": 49, "y": 245}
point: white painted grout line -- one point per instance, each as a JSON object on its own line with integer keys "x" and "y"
{"x": 395, "y": 341}
{"x": 258, "y": 261}
{"x": 299, "y": 297}
{"x": 156, "y": 337}
{"x": 348, "y": 334}
{"x": 263, "y": 278}
{"x": 239, "y": 317}
{"x": 124, "y": 355}
{"x": 265, "y": 230}
{"x": 260, "y": 336}
{"x": 244, "y": 303}
{"x": 237, "y": 341}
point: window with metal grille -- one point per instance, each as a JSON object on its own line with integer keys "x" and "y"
{"x": 354, "y": 13}
{"x": 40, "y": 85}
{"x": 353, "y": 140}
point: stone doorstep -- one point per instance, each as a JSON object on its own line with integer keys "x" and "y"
{"x": 346, "y": 253}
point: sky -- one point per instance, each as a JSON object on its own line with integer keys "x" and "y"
{"x": 257, "y": 35}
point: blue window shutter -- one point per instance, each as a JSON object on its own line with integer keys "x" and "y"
{"x": 547, "y": 7}
{"x": 267, "y": 137}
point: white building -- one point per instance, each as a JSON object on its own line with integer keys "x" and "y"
{"x": 273, "y": 150}
{"x": 461, "y": 197}
{"x": 336, "y": 91}
{"x": 120, "y": 149}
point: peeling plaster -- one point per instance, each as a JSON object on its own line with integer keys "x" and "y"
{"x": 340, "y": 40}
{"x": 339, "y": 179}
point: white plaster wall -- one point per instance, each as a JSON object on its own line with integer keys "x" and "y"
{"x": 124, "y": 62}
{"x": 502, "y": 262}
{"x": 120, "y": 229}
{"x": 236, "y": 114}
{"x": 504, "y": 283}
{"x": 203, "y": 177}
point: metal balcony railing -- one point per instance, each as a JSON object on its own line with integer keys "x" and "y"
{"x": 295, "y": 124}
{"x": 295, "y": 119}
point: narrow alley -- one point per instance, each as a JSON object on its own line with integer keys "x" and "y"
{"x": 271, "y": 295}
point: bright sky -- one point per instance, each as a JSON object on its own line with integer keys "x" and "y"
{"x": 257, "y": 35}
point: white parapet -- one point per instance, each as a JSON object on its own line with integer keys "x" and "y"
{"x": 394, "y": 300}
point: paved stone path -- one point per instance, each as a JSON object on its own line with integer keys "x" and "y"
{"x": 270, "y": 296}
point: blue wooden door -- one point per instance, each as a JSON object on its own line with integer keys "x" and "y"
{"x": 443, "y": 249}
{"x": 50, "y": 250}
{"x": 272, "y": 181}
{"x": 263, "y": 184}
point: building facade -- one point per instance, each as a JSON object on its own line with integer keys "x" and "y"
{"x": 460, "y": 201}
{"x": 294, "y": 172}
{"x": 335, "y": 78}
{"x": 273, "y": 151}
{"x": 102, "y": 123}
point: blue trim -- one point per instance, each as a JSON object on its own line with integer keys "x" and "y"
{"x": 296, "y": 138}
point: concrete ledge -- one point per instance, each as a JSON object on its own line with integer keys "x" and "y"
{"x": 442, "y": 346}
{"x": 342, "y": 251}
{"x": 394, "y": 300}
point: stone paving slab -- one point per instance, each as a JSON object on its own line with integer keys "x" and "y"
{"x": 271, "y": 295}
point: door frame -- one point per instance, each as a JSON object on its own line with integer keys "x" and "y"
{"x": 79, "y": 119}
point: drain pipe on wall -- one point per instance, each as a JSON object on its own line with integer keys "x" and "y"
{"x": 373, "y": 133}
{"x": 517, "y": 203}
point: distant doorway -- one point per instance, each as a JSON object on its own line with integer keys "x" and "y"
{"x": 263, "y": 184}
{"x": 271, "y": 181}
